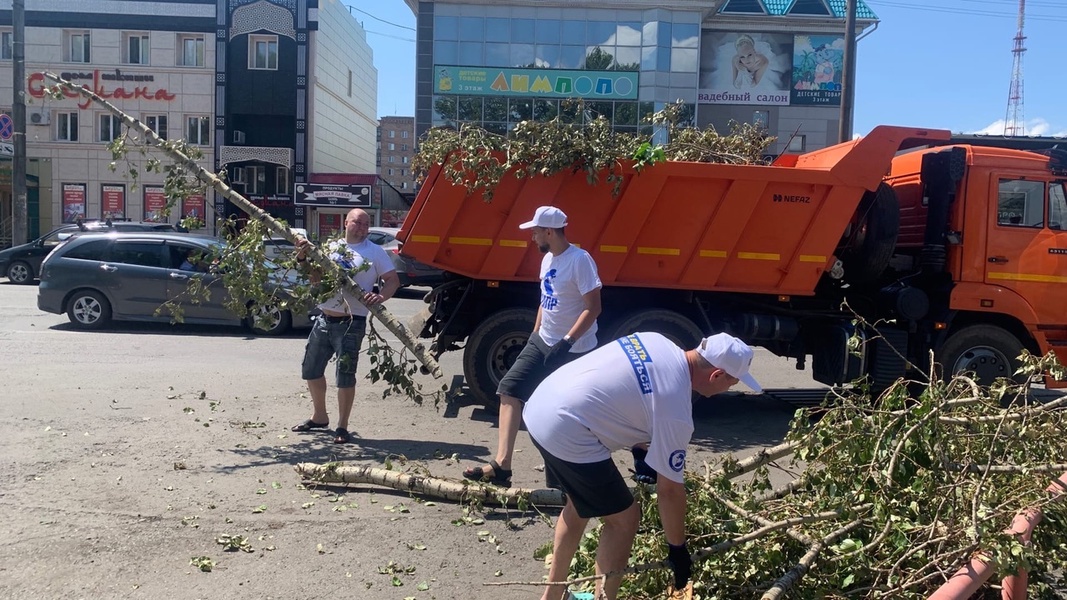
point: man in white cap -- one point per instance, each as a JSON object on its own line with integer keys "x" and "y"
{"x": 565, "y": 328}
{"x": 634, "y": 391}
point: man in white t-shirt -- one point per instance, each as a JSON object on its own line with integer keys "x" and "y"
{"x": 631, "y": 392}
{"x": 565, "y": 328}
{"x": 339, "y": 329}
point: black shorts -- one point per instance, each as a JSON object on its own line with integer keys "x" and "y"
{"x": 596, "y": 489}
{"x": 530, "y": 369}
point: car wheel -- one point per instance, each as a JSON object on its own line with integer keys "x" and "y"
{"x": 268, "y": 320}
{"x": 20, "y": 273}
{"x": 88, "y": 310}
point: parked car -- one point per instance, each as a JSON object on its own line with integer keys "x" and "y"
{"x": 411, "y": 271}
{"x": 96, "y": 278}
{"x": 22, "y": 263}
{"x": 276, "y": 247}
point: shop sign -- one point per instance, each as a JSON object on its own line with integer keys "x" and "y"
{"x": 155, "y": 202}
{"x": 339, "y": 195}
{"x": 541, "y": 83}
{"x": 818, "y": 62}
{"x": 194, "y": 206}
{"x": 36, "y": 85}
{"x": 112, "y": 201}
{"x": 73, "y": 202}
{"x": 329, "y": 225}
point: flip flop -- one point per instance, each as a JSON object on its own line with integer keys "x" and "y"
{"x": 500, "y": 476}
{"x": 343, "y": 436}
{"x": 309, "y": 425}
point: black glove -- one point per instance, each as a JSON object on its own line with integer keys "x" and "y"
{"x": 558, "y": 351}
{"x": 642, "y": 472}
{"x": 681, "y": 563}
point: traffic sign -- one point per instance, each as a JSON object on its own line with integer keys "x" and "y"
{"x": 7, "y": 127}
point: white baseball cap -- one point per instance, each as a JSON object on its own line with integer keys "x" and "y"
{"x": 731, "y": 355}
{"x": 548, "y": 217}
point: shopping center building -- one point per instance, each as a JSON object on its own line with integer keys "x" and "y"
{"x": 274, "y": 92}
{"x": 498, "y": 62}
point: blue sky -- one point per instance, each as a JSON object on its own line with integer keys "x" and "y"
{"x": 930, "y": 63}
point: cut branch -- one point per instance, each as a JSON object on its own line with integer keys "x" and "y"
{"x": 317, "y": 256}
{"x": 429, "y": 486}
{"x": 804, "y": 565}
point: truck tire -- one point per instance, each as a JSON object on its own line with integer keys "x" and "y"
{"x": 492, "y": 348}
{"x": 986, "y": 350}
{"x": 676, "y": 326}
{"x": 871, "y": 247}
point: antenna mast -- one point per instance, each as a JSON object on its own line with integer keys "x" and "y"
{"x": 1014, "y": 123}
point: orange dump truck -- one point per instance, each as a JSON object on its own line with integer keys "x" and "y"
{"x": 958, "y": 249}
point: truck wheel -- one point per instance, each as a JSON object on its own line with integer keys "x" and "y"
{"x": 677, "y": 327}
{"x": 871, "y": 247}
{"x": 492, "y": 348}
{"x": 985, "y": 350}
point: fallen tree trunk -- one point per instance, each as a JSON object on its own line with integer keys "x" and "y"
{"x": 316, "y": 255}
{"x": 429, "y": 486}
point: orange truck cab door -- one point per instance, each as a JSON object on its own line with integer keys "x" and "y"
{"x": 1026, "y": 250}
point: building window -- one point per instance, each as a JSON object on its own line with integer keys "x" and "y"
{"x": 392, "y": 159}
{"x": 390, "y": 171}
{"x": 135, "y": 48}
{"x": 237, "y": 177}
{"x": 77, "y": 46}
{"x": 191, "y": 50}
{"x": 263, "y": 52}
{"x": 67, "y": 126}
{"x": 796, "y": 144}
{"x": 256, "y": 179}
{"x": 407, "y": 159}
{"x": 158, "y": 124}
{"x": 281, "y": 181}
{"x": 197, "y": 130}
{"x": 392, "y": 146}
{"x": 403, "y": 172}
{"x": 403, "y": 147}
{"x": 110, "y": 127}
{"x": 404, "y": 134}
{"x": 403, "y": 185}
{"x": 392, "y": 133}
{"x": 6, "y": 45}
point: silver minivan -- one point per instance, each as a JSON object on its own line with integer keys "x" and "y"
{"x": 96, "y": 278}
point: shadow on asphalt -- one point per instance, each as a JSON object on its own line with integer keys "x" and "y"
{"x": 185, "y": 329}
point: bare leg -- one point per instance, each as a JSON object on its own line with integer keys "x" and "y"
{"x": 345, "y": 397}
{"x": 613, "y": 550}
{"x": 507, "y": 432}
{"x": 569, "y": 530}
{"x": 317, "y": 389}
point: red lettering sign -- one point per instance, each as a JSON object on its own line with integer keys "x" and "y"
{"x": 73, "y": 202}
{"x": 112, "y": 201}
{"x": 35, "y": 85}
{"x": 154, "y": 203}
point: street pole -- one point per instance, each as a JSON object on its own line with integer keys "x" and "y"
{"x": 20, "y": 220}
{"x": 848, "y": 83}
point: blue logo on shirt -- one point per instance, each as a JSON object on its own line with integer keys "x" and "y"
{"x": 677, "y": 461}
{"x": 549, "y": 301}
{"x": 635, "y": 351}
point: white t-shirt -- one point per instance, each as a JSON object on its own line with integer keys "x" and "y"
{"x": 564, "y": 280}
{"x": 634, "y": 390}
{"x": 344, "y": 302}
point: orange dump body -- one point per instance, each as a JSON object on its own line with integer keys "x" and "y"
{"x": 694, "y": 226}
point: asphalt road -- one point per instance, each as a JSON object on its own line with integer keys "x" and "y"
{"x": 126, "y": 452}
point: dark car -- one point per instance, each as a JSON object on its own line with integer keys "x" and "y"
{"x": 22, "y": 263}
{"x": 97, "y": 277}
{"x": 410, "y": 271}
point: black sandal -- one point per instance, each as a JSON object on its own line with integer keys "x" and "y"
{"x": 500, "y": 477}
{"x": 309, "y": 425}
{"x": 343, "y": 436}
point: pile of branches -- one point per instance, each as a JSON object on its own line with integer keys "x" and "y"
{"x": 888, "y": 499}
{"x": 478, "y": 159}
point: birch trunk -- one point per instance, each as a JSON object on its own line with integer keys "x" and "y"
{"x": 315, "y": 254}
{"x": 429, "y": 486}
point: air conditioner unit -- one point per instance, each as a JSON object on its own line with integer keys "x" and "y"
{"x": 238, "y": 137}
{"x": 39, "y": 117}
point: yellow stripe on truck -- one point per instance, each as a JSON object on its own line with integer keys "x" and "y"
{"x": 513, "y": 243}
{"x": 615, "y": 249}
{"x": 466, "y": 241}
{"x": 659, "y": 251}
{"x": 429, "y": 239}
{"x": 759, "y": 256}
{"x": 1028, "y": 277}
{"x": 812, "y": 258}
{"x": 713, "y": 254}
